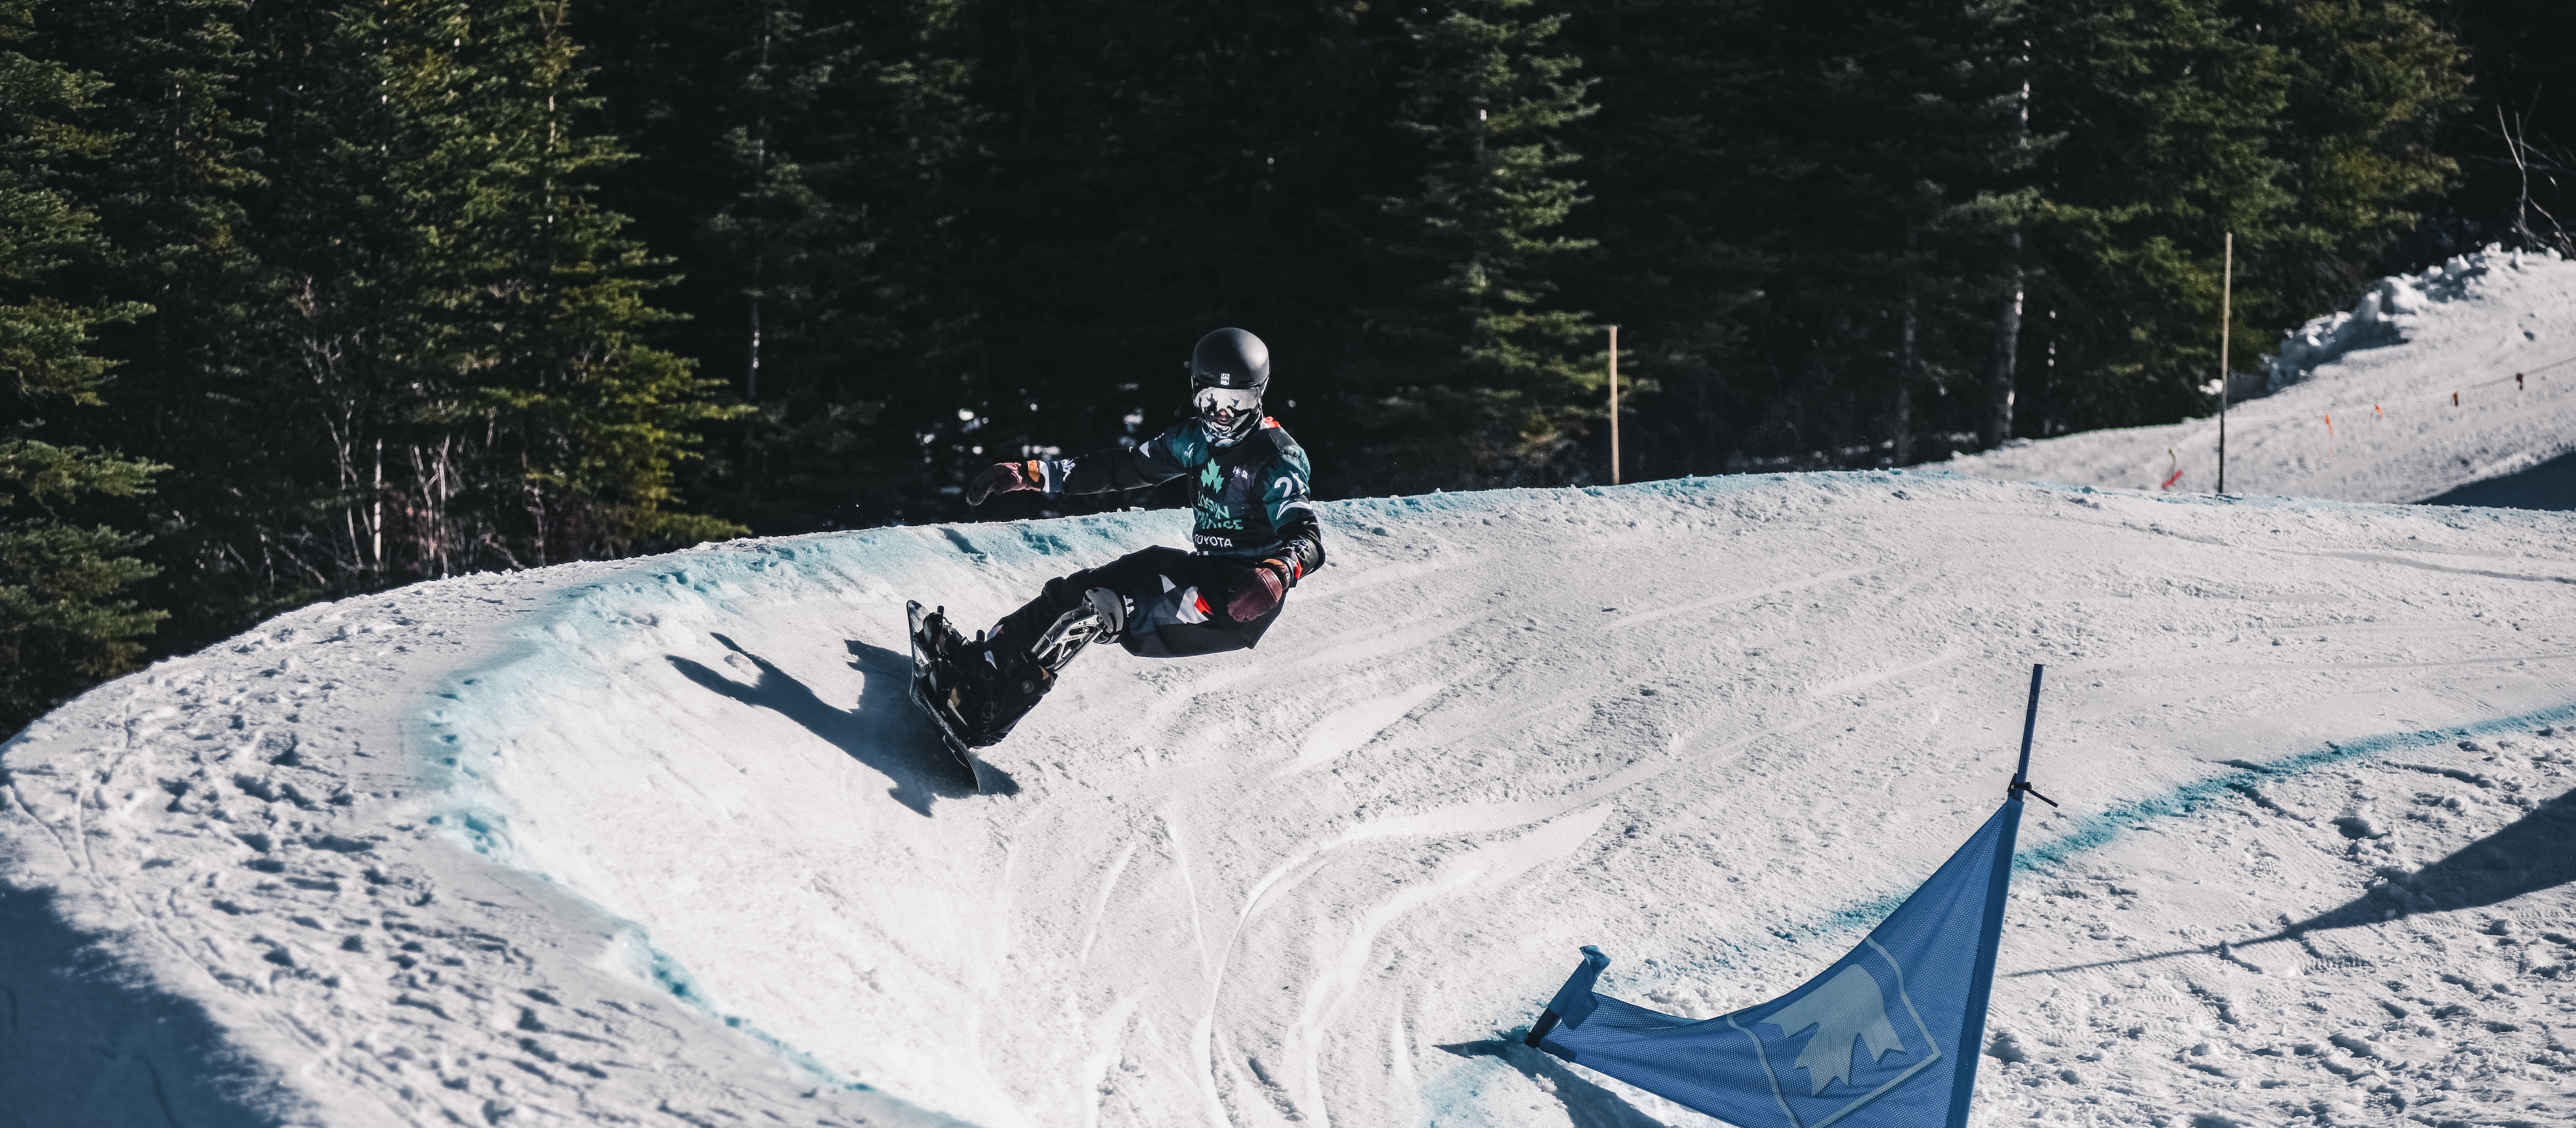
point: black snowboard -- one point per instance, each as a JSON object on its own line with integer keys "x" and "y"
{"x": 934, "y": 697}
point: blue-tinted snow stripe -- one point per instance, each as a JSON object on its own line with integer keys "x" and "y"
{"x": 2092, "y": 832}
{"x": 672, "y": 977}
{"x": 2102, "y": 829}
{"x": 485, "y": 832}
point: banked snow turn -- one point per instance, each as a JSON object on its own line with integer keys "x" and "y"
{"x": 663, "y": 842}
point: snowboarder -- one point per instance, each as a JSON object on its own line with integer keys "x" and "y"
{"x": 1256, "y": 536}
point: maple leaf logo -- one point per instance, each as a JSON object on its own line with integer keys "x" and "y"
{"x": 1846, "y": 1009}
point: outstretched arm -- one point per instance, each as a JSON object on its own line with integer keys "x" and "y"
{"x": 1151, "y": 462}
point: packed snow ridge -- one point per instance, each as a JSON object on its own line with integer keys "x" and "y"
{"x": 2455, "y": 384}
{"x": 662, "y": 841}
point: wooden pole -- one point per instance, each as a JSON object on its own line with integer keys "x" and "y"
{"x": 1614, "y": 405}
{"x": 2226, "y": 320}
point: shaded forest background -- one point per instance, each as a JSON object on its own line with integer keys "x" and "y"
{"x": 302, "y": 300}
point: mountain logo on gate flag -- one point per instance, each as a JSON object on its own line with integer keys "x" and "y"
{"x": 1842, "y": 1036}
{"x": 1848, "y": 1008}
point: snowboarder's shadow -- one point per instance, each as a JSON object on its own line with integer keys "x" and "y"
{"x": 1586, "y": 1105}
{"x": 884, "y": 732}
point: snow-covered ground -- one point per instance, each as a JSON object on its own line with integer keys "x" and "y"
{"x": 2385, "y": 374}
{"x": 662, "y": 841}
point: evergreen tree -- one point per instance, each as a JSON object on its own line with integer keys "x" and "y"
{"x": 2370, "y": 83}
{"x": 1803, "y": 213}
{"x": 1960, "y": 149}
{"x": 1679, "y": 159}
{"x": 2516, "y": 138}
{"x": 198, "y": 383}
{"x": 1898, "y": 131}
{"x": 65, "y": 619}
{"x": 2169, "y": 124}
{"x": 1498, "y": 376}
{"x": 535, "y": 424}
{"x": 780, "y": 157}
{"x": 2158, "y": 119}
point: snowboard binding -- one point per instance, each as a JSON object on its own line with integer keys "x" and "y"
{"x": 977, "y": 691}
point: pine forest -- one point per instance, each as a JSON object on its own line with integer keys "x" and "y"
{"x": 305, "y": 300}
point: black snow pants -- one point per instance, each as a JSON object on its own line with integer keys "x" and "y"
{"x": 1165, "y": 588}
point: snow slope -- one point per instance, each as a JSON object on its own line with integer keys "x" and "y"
{"x": 2385, "y": 372}
{"x": 661, "y": 842}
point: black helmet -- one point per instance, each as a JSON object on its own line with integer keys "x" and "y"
{"x": 1229, "y": 370}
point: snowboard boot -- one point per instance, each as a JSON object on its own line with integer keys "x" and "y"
{"x": 979, "y": 685}
{"x": 953, "y": 676}
{"x": 1012, "y": 685}
{"x": 1019, "y": 676}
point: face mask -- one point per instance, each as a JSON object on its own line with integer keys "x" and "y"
{"x": 1227, "y": 410}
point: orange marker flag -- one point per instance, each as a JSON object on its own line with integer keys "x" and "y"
{"x": 2374, "y": 409}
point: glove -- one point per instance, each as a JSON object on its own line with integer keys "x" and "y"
{"x": 1004, "y": 477}
{"x": 1259, "y": 590}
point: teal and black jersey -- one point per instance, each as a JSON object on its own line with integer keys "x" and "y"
{"x": 1249, "y": 499}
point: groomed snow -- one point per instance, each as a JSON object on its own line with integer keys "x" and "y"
{"x": 662, "y": 842}
{"x": 2385, "y": 373}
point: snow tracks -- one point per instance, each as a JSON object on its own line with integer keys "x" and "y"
{"x": 663, "y": 840}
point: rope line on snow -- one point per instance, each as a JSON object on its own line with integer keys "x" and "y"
{"x": 2520, "y": 380}
{"x": 2517, "y": 379}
